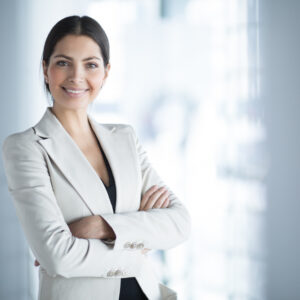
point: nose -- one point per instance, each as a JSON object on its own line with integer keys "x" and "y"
{"x": 76, "y": 74}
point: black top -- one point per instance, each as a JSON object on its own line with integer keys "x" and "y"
{"x": 130, "y": 289}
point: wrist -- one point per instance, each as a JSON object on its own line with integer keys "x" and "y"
{"x": 106, "y": 232}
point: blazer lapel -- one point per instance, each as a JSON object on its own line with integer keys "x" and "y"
{"x": 121, "y": 155}
{"x": 74, "y": 165}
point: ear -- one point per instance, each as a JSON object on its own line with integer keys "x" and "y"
{"x": 45, "y": 72}
{"x": 107, "y": 69}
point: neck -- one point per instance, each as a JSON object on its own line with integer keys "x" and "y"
{"x": 75, "y": 122}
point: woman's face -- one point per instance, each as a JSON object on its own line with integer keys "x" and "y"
{"x": 76, "y": 72}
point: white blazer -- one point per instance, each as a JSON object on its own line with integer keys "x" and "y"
{"x": 52, "y": 184}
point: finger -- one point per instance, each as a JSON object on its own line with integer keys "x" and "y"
{"x": 159, "y": 202}
{"x": 166, "y": 203}
{"x": 154, "y": 198}
{"x": 146, "y": 196}
{"x": 36, "y": 263}
{"x": 145, "y": 250}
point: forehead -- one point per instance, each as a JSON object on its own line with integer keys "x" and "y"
{"x": 77, "y": 46}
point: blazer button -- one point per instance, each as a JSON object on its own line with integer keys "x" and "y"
{"x": 127, "y": 245}
{"x": 110, "y": 273}
{"x": 140, "y": 246}
{"x": 133, "y": 246}
{"x": 118, "y": 273}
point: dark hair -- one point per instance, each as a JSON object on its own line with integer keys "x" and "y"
{"x": 76, "y": 25}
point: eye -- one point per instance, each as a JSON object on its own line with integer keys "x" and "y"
{"x": 62, "y": 63}
{"x": 92, "y": 66}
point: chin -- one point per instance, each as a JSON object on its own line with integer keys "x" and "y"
{"x": 74, "y": 104}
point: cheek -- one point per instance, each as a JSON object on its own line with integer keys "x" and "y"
{"x": 56, "y": 75}
{"x": 96, "y": 80}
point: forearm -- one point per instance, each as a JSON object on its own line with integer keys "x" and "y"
{"x": 92, "y": 227}
{"x": 106, "y": 232}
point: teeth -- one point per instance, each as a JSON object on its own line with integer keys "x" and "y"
{"x": 74, "y": 92}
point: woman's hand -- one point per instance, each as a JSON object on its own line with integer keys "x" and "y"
{"x": 155, "y": 198}
{"x": 36, "y": 263}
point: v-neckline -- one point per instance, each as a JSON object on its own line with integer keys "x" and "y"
{"x": 107, "y": 167}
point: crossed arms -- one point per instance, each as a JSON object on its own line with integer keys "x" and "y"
{"x": 74, "y": 250}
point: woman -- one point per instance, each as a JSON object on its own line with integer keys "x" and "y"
{"x": 89, "y": 202}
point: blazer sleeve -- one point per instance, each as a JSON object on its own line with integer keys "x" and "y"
{"x": 46, "y": 231}
{"x": 160, "y": 228}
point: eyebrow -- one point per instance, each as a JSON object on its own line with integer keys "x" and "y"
{"x": 70, "y": 58}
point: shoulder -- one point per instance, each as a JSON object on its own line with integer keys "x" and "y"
{"x": 20, "y": 142}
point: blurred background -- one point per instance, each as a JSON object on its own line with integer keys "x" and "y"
{"x": 211, "y": 87}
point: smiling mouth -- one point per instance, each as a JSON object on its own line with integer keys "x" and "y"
{"x": 74, "y": 93}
